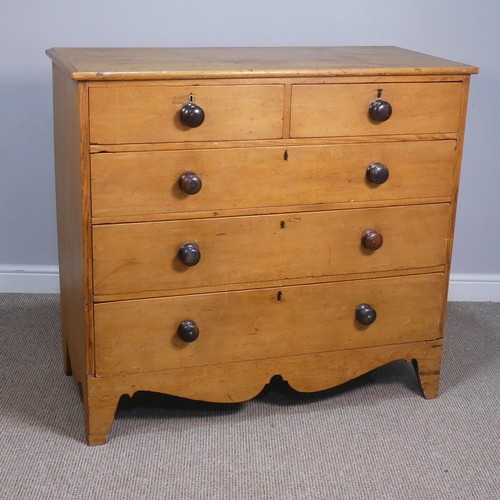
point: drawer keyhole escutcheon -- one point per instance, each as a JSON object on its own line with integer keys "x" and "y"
{"x": 282, "y": 224}
{"x": 279, "y": 296}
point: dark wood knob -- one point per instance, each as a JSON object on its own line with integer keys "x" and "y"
{"x": 377, "y": 173}
{"x": 380, "y": 110}
{"x": 189, "y": 253}
{"x": 365, "y": 314}
{"x": 190, "y": 183}
{"x": 371, "y": 239}
{"x": 192, "y": 115}
{"x": 188, "y": 331}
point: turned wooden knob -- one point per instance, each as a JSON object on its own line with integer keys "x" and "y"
{"x": 365, "y": 314}
{"x": 377, "y": 173}
{"x": 188, "y": 331}
{"x": 189, "y": 254}
{"x": 380, "y": 110}
{"x": 371, "y": 239}
{"x": 192, "y": 115}
{"x": 190, "y": 183}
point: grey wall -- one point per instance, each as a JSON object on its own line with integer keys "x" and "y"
{"x": 456, "y": 29}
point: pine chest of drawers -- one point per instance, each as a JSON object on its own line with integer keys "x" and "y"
{"x": 227, "y": 215}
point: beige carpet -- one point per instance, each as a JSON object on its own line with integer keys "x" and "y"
{"x": 374, "y": 438}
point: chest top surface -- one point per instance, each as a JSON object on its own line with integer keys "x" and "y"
{"x": 248, "y": 62}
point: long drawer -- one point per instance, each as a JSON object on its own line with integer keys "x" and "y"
{"x": 144, "y": 257}
{"x": 149, "y": 114}
{"x": 343, "y": 109}
{"x": 146, "y": 183}
{"x": 141, "y": 335}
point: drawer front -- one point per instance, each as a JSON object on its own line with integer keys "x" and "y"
{"x": 144, "y": 256}
{"x": 342, "y": 109}
{"x": 134, "y": 184}
{"x": 149, "y": 114}
{"x": 141, "y": 335}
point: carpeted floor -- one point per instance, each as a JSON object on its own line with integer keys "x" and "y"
{"x": 373, "y": 438}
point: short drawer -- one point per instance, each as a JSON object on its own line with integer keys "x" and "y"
{"x": 143, "y": 257}
{"x": 142, "y": 335}
{"x": 150, "y": 114}
{"x": 343, "y": 109}
{"x": 147, "y": 183}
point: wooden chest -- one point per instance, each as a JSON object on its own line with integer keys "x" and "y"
{"x": 227, "y": 215}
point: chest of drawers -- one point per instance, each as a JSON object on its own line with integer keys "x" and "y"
{"x": 228, "y": 215}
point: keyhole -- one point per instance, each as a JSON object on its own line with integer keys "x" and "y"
{"x": 379, "y": 93}
{"x": 285, "y": 155}
{"x": 282, "y": 224}
{"x": 279, "y": 296}
{"x": 191, "y": 98}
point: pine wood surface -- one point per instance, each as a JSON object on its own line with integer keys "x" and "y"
{"x": 136, "y": 114}
{"x": 337, "y": 110}
{"x": 73, "y": 226}
{"x": 146, "y": 183}
{"x": 268, "y": 284}
{"x": 72, "y": 168}
{"x": 306, "y": 141}
{"x": 240, "y": 381}
{"x": 282, "y": 155}
{"x": 251, "y": 62}
{"x": 455, "y": 186}
{"x": 139, "y": 336}
{"x": 143, "y": 256}
{"x": 148, "y": 114}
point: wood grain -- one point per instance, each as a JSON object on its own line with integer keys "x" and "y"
{"x": 100, "y": 404}
{"x": 306, "y": 141}
{"x": 72, "y": 169}
{"x": 143, "y": 256}
{"x": 140, "y": 336}
{"x": 240, "y": 381}
{"x": 282, "y": 155}
{"x": 455, "y": 186}
{"x": 250, "y": 62}
{"x": 342, "y": 110}
{"x": 268, "y": 284}
{"x": 147, "y": 183}
{"x": 139, "y": 113}
{"x": 428, "y": 369}
{"x": 73, "y": 222}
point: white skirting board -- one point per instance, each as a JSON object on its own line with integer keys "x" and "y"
{"x": 45, "y": 279}
{"x": 29, "y": 279}
{"x": 470, "y": 287}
